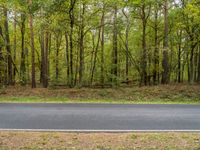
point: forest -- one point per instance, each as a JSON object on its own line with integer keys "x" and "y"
{"x": 83, "y": 43}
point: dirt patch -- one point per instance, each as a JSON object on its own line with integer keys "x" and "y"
{"x": 101, "y": 141}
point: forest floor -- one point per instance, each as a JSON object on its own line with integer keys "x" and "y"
{"x": 99, "y": 141}
{"x": 163, "y": 94}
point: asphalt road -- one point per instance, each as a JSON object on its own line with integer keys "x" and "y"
{"x": 84, "y": 117}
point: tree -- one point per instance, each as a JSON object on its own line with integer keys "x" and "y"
{"x": 32, "y": 46}
{"x": 23, "y": 59}
{"x": 8, "y": 48}
{"x": 165, "y": 65}
{"x": 114, "y": 68}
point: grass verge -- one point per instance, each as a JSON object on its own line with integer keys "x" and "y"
{"x": 169, "y": 94}
{"x": 64, "y": 100}
{"x": 99, "y": 141}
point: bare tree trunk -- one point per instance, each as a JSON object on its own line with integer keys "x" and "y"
{"x": 81, "y": 65}
{"x": 144, "y": 53}
{"x": 179, "y": 56}
{"x": 156, "y": 50}
{"x": 14, "y": 45}
{"x": 42, "y": 57}
{"x": 57, "y": 57}
{"x": 198, "y": 78}
{"x": 23, "y": 59}
{"x": 33, "y": 84}
{"x": 102, "y": 45}
{"x": 9, "y": 56}
{"x": 58, "y": 43}
{"x": 67, "y": 57}
{"x": 95, "y": 56}
{"x": 114, "y": 69}
{"x": 71, "y": 14}
{"x": 46, "y": 77}
{"x": 127, "y": 46}
{"x": 165, "y": 63}
{"x": 195, "y": 66}
{"x": 191, "y": 66}
{"x": 1, "y": 60}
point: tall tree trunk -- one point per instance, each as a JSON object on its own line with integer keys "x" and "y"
{"x": 8, "y": 48}
{"x": 49, "y": 53}
{"x": 14, "y": 44}
{"x": 165, "y": 63}
{"x": 58, "y": 43}
{"x": 127, "y": 45}
{"x": 179, "y": 56}
{"x": 33, "y": 84}
{"x": 67, "y": 57}
{"x": 191, "y": 62}
{"x": 46, "y": 77}
{"x": 144, "y": 52}
{"x": 195, "y": 66}
{"x": 102, "y": 46}
{"x": 42, "y": 57}
{"x": 71, "y": 16}
{"x": 1, "y": 60}
{"x": 95, "y": 56}
{"x": 23, "y": 59}
{"x": 81, "y": 65}
{"x": 114, "y": 69}
{"x": 198, "y": 78}
{"x": 156, "y": 50}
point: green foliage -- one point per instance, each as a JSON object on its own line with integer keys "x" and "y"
{"x": 56, "y": 16}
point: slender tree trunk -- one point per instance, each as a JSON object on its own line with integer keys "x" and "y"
{"x": 42, "y": 57}
{"x": 58, "y": 43}
{"x": 67, "y": 57}
{"x": 195, "y": 66}
{"x": 57, "y": 57}
{"x": 8, "y": 48}
{"x": 144, "y": 53}
{"x": 191, "y": 63}
{"x": 71, "y": 14}
{"x": 81, "y": 65}
{"x": 46, "y": 77}
{"x": 23, "y": 59}
{"x": 49, "y": 54}
{"x": 114, "y": 69}
{"x": 179, "y": 56}
{"x": 102, "y": 46}
{"x": 127, "y": 46}
{"x": 27, "y": 65}
{"x": 95, "y": 56}
{"x": 33, "y": 84}
{"x": 198, "y": 78}
{"x": 156, "y": 50}
{"x": 165, "y": 63}
{"x": 1, "y": 60}
{"x": 14, "y": 45}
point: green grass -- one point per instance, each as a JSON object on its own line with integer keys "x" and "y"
{"x": 111, "y": 101}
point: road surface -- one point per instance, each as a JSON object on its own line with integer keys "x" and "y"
{"x": 99, "y": 117}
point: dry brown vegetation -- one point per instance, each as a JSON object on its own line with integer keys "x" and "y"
{"x": 100, "y": 141}
{"x": 168, "y": 92}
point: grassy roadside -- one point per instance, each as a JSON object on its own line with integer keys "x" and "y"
{"x": 169, "y": 94}
{"x": 99, "y": 141}
{"x": 101, "y": 101}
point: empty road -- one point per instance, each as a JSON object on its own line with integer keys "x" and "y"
{"x": 99, "y": 117}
